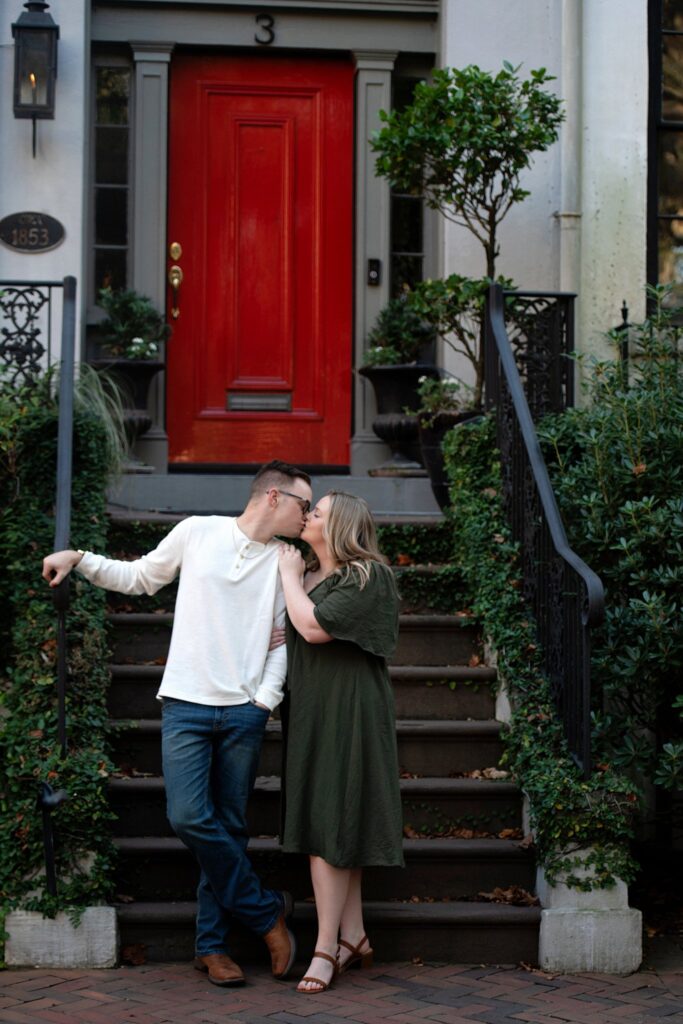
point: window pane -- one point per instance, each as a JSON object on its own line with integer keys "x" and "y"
{"x": 672, "y": 78}
{"x": 671, "y": 257}
{"x": 111, "y": 216}
{"x": 403, "y": 89}
{"x": 111, "y": 156}
{"x": 672, "y": 14}
{"x": 110, "y": 269}
{"x": 406, "y": 224}
{"x": 113, "y": 88}
{"x": 671, "y": 172}
{"x": 406, "y": 271}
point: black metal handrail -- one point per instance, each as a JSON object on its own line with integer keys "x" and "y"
{"x": 566, "y": 596}
{"x": 24, "y": 354}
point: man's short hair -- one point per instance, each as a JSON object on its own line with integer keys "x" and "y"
{"x": 276, "y": 474}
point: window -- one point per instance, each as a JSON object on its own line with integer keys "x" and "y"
{"x": 407, "y": 216}
{"x": 110, "y": 200}
{"x": 665, "y": 257}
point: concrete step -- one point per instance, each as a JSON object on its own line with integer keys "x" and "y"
{"x": 423, "y": 639}
{"x": 481, "y": 933}
{"x": 430, "y": 748}
{"x": 161, "y": 868}
{"x": 423, "y": 589}
{"x": 426, "y": 692}
{"x": 430, "y": 803}
{"x": 228, "y": 493}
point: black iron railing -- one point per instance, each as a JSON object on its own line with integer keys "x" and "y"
{"x": 26, "y": 351}
{"x": 565, "y": 595}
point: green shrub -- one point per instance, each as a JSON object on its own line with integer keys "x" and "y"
{"x": 29, "y": 746}
{"x": 617, "y": 469}
{"x": 568, "y": 813}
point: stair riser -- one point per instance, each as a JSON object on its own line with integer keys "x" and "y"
{"x": 136, "y": 698}
{"x": 445, "y": 944}
{"x": 428, "y": 646}
{"x": 430, "y": 756}
{"x": 174, "y": 876}
{"x": 145, "y": 814}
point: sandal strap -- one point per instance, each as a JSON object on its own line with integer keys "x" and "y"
{"x": 317, "y": 981}
{"x": 322, "y": 956}
{"x": 354, "y": 949}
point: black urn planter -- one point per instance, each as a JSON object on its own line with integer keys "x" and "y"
{"x": 395, "y": 390}
{"x": 133, "y": 378}
{"x": 431, "y": 438}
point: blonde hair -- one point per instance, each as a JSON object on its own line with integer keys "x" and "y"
{"x": 350, "y": 535}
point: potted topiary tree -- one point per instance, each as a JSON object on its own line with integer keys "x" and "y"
{"x": 401, "y": 350}
{"x": 463, "y": 144}
{"x": 131, "y": 337}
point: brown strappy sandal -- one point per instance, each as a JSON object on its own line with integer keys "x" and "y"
{"x": 362, "y": 959}
{"x": 318, "y": 981}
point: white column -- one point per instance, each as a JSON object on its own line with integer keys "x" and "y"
{"x": 149, "y": 196}
{"x": 613, "y": 167}
{"x": 373, "y": 93}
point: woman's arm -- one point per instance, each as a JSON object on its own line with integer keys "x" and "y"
{"x": 299, "y": 605}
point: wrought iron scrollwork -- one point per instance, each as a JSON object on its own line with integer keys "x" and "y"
{"x": 540, "y": 330}
{"x": 25, "y": 334}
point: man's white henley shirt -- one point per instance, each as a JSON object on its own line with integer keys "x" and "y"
{"x": 229, "y": 599}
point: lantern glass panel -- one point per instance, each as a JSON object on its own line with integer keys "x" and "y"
{"x": 34, "y": 68}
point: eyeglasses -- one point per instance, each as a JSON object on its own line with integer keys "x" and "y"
{"x": 305, "y": 505}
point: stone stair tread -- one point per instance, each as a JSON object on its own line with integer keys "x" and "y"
{"x": 487, "y": 727}
{"x": 116, "y": 514}
{"x": 412, "y": 848}
{"x": 409, "y": 787}
{"x": 397, "y": 913}
{"x": 426, "y": 620}
{"x": 405, "y": 673}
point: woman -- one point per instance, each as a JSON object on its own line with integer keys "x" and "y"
{"x": 343, "y": 806}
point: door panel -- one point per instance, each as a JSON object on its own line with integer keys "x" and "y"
{"x": 260, "y": 200}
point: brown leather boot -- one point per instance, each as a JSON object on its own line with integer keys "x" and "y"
{"x": 282, "y": 948}
{"x": 221, "y": 969}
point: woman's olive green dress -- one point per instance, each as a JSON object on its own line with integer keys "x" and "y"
{"x": 341, "y": 774}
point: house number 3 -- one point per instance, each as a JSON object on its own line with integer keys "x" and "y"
{"x": 266, "y": 33}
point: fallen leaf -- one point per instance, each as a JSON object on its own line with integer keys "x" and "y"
{"x": 134, "y": 955}
{"x": 402, "y": 559}
{"x": 514, "y": 895}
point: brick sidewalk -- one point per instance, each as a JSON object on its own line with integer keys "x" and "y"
{"x": 387, "y": 994}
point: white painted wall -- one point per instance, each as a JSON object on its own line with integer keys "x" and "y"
{"x": 583, "y": 228}
{"x": 613, "y": 167}
{"x": 55, "y": 181}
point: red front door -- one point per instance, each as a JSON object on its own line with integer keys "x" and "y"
{"x": 260, "y": 205}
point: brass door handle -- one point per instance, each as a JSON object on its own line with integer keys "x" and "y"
{"x": 175, "y": 279}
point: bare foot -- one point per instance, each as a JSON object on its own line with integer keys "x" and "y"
{"x": 320, "y": 973}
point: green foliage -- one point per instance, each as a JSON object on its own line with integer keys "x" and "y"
{"x": 568, "y": 812}
{"x": 455, "y": 307}
{"x": 443, "y": 394}
{"x": 398, "y": 335}
{"x": 133, "y": 329}
{"x": 29, "y": 747}
{"x": 415, "y": 543}
{"x": 617, "y": 468}
{"x": 464, "y": 142}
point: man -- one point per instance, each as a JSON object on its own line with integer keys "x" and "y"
{"x": 220, "y": 684}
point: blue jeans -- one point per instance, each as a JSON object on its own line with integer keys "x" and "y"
{"x": 210, "y": 756}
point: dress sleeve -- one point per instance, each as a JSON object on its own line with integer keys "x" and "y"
{"x": 367, "y": 617}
